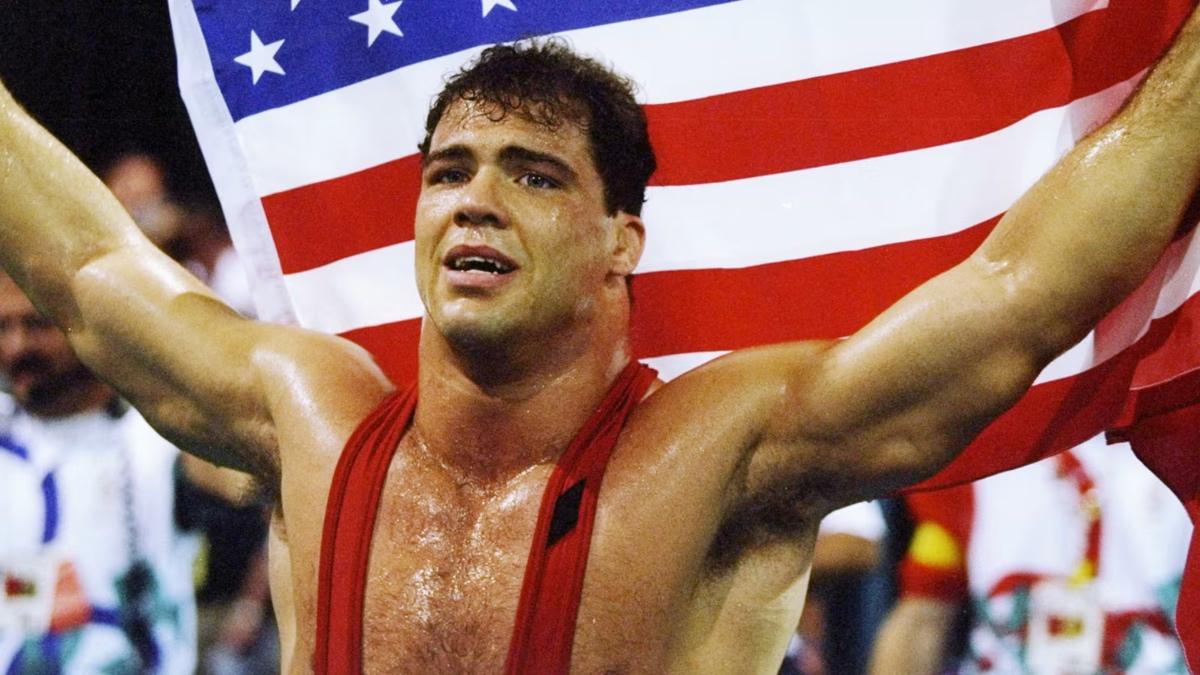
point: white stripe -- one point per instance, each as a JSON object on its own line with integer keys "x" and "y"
{"x": 1075, "y": 360}
{"x": 226, "y": 164}
{"x": 672, "y": 366}
{"x": 1183, "y": 274}
{"x": 681, "y": 56}
{"x": 866, "y": 203}
{"x": 758, "y": 43}
{"x": 856, "y": 205}
{"x": 364, "y": 290}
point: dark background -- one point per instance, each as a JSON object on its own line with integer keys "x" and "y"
{"x": 101, "y": 77}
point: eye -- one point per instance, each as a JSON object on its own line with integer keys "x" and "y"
{"x": 537, "y": 180}
{"x": 448, "y": 176}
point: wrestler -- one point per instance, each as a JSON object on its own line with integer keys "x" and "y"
{"x": 526, "y": 229}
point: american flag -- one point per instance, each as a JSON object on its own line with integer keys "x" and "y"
{"x": 817, "y": 159}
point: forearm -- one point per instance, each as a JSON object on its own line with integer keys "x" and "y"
{"x": 55, "y": 215}
{"x": 1093, "y": 227}
{"x": 913, "y": 638}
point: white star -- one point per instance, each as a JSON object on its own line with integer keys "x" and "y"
{"x": 489, "y": 5}
{"x": 378, "y": 19}
{"x": 261, "y": 58}
{"x": 294, "y": 3}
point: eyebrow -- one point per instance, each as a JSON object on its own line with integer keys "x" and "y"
{"x": 510, "y": 153}
{"x": 516, "y": 153}
{"x": 450, "y": 152}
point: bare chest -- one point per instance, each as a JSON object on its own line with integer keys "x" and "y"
{"x": 446, "y": 572}
{"x": 444, "y": 578}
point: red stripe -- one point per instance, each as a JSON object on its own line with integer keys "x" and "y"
{"x": 317, "y": 224}
{"x": 821, "y": 297}
{"x": 825, "y": 296}
{"x": 1171, "y": 352}
{"x": 866, "y": 113}
{"x": 908, "y": 105}
{"x": 394, "y": 346}
{"x": 835, "y": 295}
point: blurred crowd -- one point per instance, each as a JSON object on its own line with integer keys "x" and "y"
{"x": 1071, "y": 565}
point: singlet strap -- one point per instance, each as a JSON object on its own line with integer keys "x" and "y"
{"x": 350, "y": 516}
{"x": 544, "y": 631}
{"x": 554, "y": 575}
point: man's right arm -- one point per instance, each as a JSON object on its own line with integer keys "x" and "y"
{"x": 206, "y": 378}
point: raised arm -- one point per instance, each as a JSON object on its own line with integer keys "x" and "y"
{"x": 897, "y": 400}
{"x": 206, "y": 378}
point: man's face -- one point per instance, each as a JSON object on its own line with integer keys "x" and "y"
{"x": 35, "y": 356}
{"x": 512, "y": 237}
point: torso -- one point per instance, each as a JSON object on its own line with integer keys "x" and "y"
{"x": 447, "y": 562}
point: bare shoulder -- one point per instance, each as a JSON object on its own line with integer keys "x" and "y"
{"x": 706, "y": 448}
{"x": 317, "y": 386}
{"x": 712, "y": 420}
{"x": 755, "y": 391}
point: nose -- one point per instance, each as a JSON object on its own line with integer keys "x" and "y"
{"x": 481, "y": 202}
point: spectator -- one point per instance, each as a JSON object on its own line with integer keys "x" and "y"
{"x": 97, "y": 572}
{"x": 1070, "y": 565}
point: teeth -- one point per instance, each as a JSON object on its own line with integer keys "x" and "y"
{"x": 479, "y": 263}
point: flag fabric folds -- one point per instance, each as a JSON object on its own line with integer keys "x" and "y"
{"x": 817, "y": 161}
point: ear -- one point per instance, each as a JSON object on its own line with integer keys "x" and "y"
{"x": 627, "y": 239}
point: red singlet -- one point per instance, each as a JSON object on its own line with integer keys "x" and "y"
{"x": 544, "y": 631}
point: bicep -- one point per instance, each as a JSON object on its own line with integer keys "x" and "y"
{"x": 182, "y": 357}
{"x": 896, "y": 400}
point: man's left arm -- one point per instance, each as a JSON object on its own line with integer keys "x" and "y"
{"x": 899, "y": 399}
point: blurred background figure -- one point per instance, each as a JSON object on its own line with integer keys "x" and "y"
{"x": 1070, "y": 565}
{"x": 95, "y": 560}
{"x": 842, "y": 611}
{"x": 237, "y": 632}
{"x": 193, "y": 234}
{"x": 138, "y": 182}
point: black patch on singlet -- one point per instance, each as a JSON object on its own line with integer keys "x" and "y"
{"x": 566, "y": 513}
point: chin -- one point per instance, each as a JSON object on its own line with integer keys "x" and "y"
{"x": 474, "y": 333}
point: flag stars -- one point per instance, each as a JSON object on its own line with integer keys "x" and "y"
{"x": 489, "y": 5}
{"x": 261, "y": 58}
{"x": 378, "y": 19}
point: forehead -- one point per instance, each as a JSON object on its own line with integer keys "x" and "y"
{"x": 482, "y": 126}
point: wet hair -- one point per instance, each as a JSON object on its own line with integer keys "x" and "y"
{"x": 549, "y": 84}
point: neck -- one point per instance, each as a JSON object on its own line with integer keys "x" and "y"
{"x": 487, "y": 423}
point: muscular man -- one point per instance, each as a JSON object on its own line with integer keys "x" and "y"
{"x": 97, "y": 567}
{"x": 526, "y": 230}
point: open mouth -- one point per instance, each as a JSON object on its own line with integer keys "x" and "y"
{"x": 478, "y": 259}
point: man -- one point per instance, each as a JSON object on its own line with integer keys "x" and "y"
{"x": 526, "y": 231}
{"x": 97, "y": 572}
{"x": 1071, "y": 565}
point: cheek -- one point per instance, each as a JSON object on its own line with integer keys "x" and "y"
{"x": 426, "y": 231}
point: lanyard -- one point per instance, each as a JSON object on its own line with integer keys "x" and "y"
{"x": 1069, "y": 467}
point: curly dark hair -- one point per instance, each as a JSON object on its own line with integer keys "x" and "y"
{"x": 548, "y": 83}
